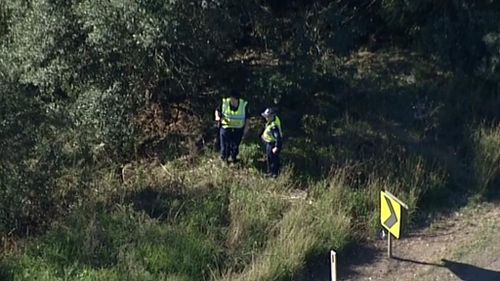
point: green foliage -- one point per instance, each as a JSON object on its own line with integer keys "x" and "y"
{"x": 373, "y": 95}
{"x": 4, "y": 16}
{"x": 250, "y": 153}
{"x": 104, "y": 120}
{"x": 491, "y": 65}
{"x": 31, "y": 156}
{"x": 253, "y": 217}
{"x": 487, "y": 159}
{"x": 306, "y": 228}
{"x": 29, "y": 268}
{"x": 119, "y": 244}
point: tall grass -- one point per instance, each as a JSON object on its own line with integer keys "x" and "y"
{"x": 121, "y": 244}
{"x": 486, "y": 158}
{"x": 310, "y": 226}
{"x": 203, "y": 220}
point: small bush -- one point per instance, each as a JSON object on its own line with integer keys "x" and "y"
{"x": 250, "y": 153}
{"x": 487, "y": 158}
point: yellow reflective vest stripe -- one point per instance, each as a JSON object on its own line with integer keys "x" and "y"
{"x": 233, "y": 119}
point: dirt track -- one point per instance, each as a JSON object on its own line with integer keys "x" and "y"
{"x": 462, "y": 246}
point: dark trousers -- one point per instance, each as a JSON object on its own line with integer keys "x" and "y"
{"x": 273, "y": 160}
{"x": 230, "y": 140}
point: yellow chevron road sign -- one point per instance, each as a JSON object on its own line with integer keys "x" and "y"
{"x": 391, "y": 213}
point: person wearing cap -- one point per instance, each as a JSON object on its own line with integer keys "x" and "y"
{"x": 231, "y": 117}
{"x": 273, "y": 139}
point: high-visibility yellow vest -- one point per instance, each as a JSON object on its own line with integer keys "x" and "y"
{"x": 233, "y": 119}
{"x": 267, "y": 135}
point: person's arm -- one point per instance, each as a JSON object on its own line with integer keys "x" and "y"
{"x": 246, "y": 127}
{"x": 218, "y": 114}
{"x": 279, "y": 141}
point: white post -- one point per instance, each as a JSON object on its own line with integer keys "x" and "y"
{"x": 333, "y": 261}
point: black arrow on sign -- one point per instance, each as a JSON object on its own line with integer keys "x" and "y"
{"x": 392, "y": 220}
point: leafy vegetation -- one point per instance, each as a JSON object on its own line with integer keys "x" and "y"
{"x": 487, "y": 159}
{"x": 106, "y": 168}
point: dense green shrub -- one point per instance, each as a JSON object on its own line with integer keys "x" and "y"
{"x": 373, "y": 95}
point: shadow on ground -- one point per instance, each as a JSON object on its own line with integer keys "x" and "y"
{"x": 318, "y": 267}
{"x": 159, "y": 204}
{"x": 356, "y": 255}
{"x": 469, "y": 272}
{"x": 463, "y": 271}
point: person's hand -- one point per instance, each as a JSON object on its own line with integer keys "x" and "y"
{"x": 275, "y": 150}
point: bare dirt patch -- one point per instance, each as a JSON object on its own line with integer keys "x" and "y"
{"x": 461, "y": 246}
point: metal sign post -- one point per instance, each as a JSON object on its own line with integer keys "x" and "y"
{"x": 389, "y": 245}
{"x": 333, "y": 261}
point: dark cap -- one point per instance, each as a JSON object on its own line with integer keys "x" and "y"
{"x": 234, "y": 94}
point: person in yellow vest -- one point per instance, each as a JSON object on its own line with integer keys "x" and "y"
{"x": 231, "y": 117}
{"x": 273, "y": 139}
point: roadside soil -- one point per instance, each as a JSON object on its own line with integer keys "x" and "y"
{"x": 463, "y": 245}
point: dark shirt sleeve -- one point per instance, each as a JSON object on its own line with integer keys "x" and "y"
{"x": 246, "y": 115}
{"x": 277, "y": 135}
